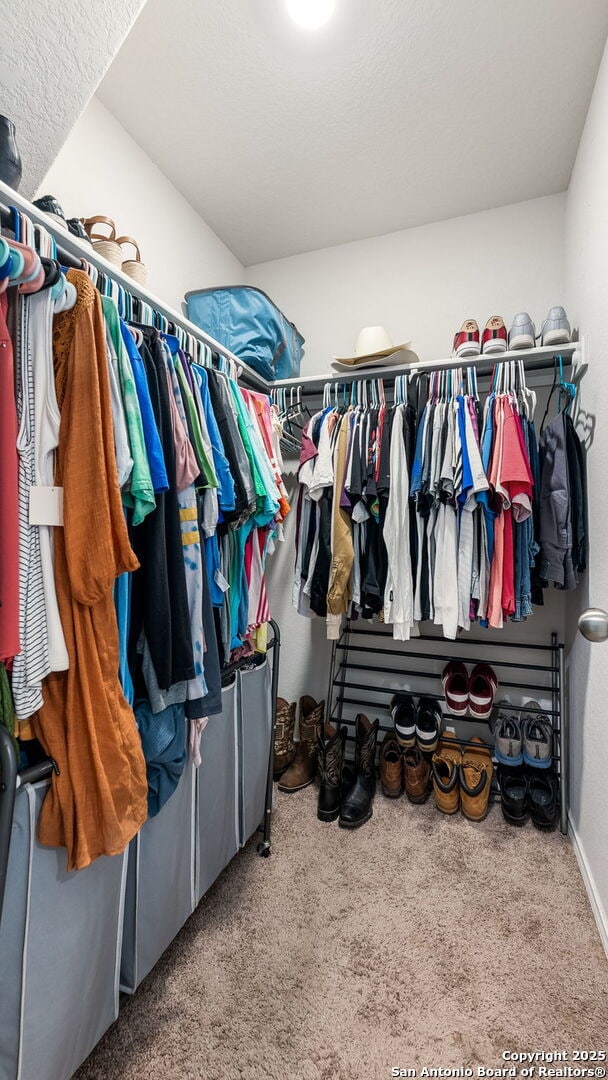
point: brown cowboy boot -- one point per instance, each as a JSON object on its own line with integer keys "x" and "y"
{"x": 302, "y": 771}
{"x": 284, "y": 746}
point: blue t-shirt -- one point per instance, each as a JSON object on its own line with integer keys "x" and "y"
{"x": 467, "y": 475}
{"x": 154, "y": 450}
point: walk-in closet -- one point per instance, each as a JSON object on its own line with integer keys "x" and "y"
{"x": 303, "y": 587}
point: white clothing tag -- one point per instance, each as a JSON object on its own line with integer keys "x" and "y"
{"x": 220, "y": 581}
{"x": 46, "y": 506}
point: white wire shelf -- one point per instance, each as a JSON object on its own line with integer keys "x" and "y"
{"x": 76, "y": 247}
{"x": 538, "y": 359}
{"x": 534, "y": 359}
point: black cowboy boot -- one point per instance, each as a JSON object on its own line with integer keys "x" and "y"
{"x": 357, "y": 805}
{"x": 330, "y": 745}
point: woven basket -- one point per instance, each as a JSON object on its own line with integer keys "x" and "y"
{"x": 135, "y": 268}
{"x": 106, "y": 246}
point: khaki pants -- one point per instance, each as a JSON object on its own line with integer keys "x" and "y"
{"x": 342, "y": 551}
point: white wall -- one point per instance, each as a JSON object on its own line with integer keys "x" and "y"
{"x": 55, "y": 58}
{"x": 586, "y": 259}
{"x": 421, "y": 283}
{"x": 102, "y": 170}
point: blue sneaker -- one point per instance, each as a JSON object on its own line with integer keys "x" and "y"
{"x": 556, "y": 328}
{"x": 522, "y": 334}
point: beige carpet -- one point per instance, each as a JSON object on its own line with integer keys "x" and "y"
{"x": 417, "y": 940}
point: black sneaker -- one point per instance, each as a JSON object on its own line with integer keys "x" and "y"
{"x": 543, "y": 793}
{"x": 76, "y": 228}
{"x": 428, "y": 725}
{"x": 513, "y": 795}
{"x": 403, "y": 712}
{"x": 49, "y": 205}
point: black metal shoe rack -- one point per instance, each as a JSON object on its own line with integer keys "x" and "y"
{"x": 368, "y": 667}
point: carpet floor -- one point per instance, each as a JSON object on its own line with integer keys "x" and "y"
{"x": 416, "y": 940}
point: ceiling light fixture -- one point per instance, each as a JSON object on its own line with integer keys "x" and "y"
{"x": 311, "y": 14}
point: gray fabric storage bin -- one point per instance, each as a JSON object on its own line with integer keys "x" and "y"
{"x": 60, "y": 941}
{"x": 255, "y": 733}
{"x": 160, "y": 883}
{"x": 217, "y": 802}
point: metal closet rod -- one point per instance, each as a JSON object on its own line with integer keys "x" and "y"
{"x": 443, "y": 656}
{"x": 458, "y": 641}
{"x": 541, "y": 358}
{"x": 369, "y": 688}
{"x": 388, "y": 728}
{"x": 74, "y": 251}
{"x": 435, "y": 675}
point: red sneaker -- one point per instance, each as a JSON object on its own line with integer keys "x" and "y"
{"x": 455, "y": 682}
{"x": 466, "y": 341}
{"x": 494, "y": 339}
{"x": 483, "y": 685}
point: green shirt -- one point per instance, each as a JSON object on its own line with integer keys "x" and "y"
{"x": 140, "y": 494}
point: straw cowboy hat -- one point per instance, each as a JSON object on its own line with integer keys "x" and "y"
{"x": 373, "y": 345}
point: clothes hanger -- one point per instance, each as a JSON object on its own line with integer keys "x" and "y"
{"x": 11, "y": 266}
{"x": 567, "y": 390}
{"x": 66, "y": 299}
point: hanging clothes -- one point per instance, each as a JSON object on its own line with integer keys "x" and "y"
{"x": 10, "y": 642}
{"x": 99, "y": 799}
{"x": 172, "y": 500}
{"x": 436, "y": 509}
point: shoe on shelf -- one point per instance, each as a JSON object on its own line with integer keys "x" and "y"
{"x": 537, "y": 737}
{"x": 284, "y": 746}
{"x": 467, "y": 339}
{"x": 513, "y": 795}
{"x": 77, "y": 228}
{"x": 475, "y": 774}
{"x": 455, "y": 682}
{"x": 428, "y": 724}
{"x": 522, "y": 334}
{"x": 357, "y": 804}
{"x": 417, "y": 771}
{"x": 445, "y": 766}
{"x": 391, "y": 766}
{"x": 506, "y": 729}
{"x": 543, "y": 799}
{"x": 555, "y": 329}
{"x": 483, "y": 685}
{"x": 48, "y": 205}
{"x": 303, "y": 768}
{"x": 403, "y": 712}
{"x": 494, "y": 337}
{"x": 330, "y": 766}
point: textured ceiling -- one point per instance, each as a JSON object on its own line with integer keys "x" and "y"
{"x": 52, "y": 57}
{"x": 397, "y": 113}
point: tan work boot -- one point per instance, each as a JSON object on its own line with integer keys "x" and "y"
{"x": 284, "y": 746}
{"x": 446, "y": 763}
{"x": 302, "y": 771}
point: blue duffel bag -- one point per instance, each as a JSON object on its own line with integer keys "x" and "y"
{"x": 246, "y": 321}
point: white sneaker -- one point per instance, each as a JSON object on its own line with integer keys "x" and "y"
{"x": 522, "y": 334}
{"x": 556, "y": 328}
